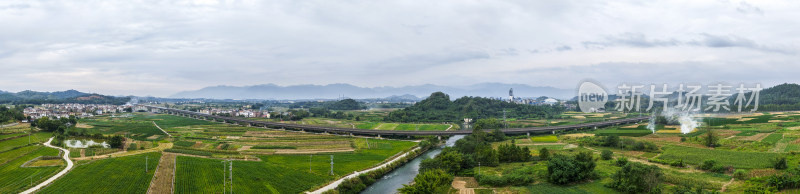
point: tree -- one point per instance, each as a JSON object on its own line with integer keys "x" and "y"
{"x": 431, "y": 181}
{"x": 498, "y": 135}
{"x": 490, "y": 123}
{"x": 544, "y": 154}
{"x": 710, "y": 139}
{"x": 611, "y": 141}
{"x": 563, "y": 169}
{"x": 116, "y": 141}
{"x": 513, "y": 153}
{"x": 637, "y": 178}
{"x": 606, "y": 154}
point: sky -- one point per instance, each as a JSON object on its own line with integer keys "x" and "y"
{"x": 159, "y": 48}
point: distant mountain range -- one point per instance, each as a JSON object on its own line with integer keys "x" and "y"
{"x": 69, "y": 96}
{"x": 332, "y": 91}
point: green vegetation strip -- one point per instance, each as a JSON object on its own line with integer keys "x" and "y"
{"x": 14, "y": 178}
{"x": 736, "y": 159}
{"x": 114, "y": 175}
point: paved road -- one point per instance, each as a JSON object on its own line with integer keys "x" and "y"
{"x": 51, "y": 179}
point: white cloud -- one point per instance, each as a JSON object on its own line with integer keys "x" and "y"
{"x": 161, "y": 47}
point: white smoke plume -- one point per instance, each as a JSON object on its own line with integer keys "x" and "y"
{"x": 686, "y": 120}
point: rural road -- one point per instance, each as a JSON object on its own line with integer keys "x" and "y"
{"x": 336, "y": 183}
{"x": 51, "y": 179}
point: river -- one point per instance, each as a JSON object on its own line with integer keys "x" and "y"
{"x": 405, "y": 174}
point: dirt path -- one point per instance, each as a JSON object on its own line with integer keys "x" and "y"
{"x": 53, "y": 178}
{"x": 448, "y": 128}
{"x": 83, "y": 153}
{"x": 162, "y": 130}
{"x": 165, "y": 173}
{"x": 461, "y": 183}
{"x": 726, "y": 185}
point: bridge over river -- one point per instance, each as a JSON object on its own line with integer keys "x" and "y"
{"x": 371, "y": 132}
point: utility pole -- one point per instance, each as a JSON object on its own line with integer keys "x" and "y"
{"x": 145, "y": 164}
{"x": 505, "y": 125}
{"x": 224, "y": 178}
{"x": 331, "y": 164}
{"x": 309, "y": 163}
{"x": 367, "y": 140}
{"x": 479, "y": 168}
{"x": 231, "y": 175}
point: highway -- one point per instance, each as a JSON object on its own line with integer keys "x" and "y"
{"x": 371, "y": 132}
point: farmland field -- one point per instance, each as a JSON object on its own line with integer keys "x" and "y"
{"x": 198, "y": 175}
{"x": 23, "y": 141}
{"x": 114, "y": 175}
{"x": 736, "y": 159}
{"x": 545, "y": 139}
{"x": 16, "y": 178}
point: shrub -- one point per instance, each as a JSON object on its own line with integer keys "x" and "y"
{"x": 606, "y": 154}
{"x": 721, "y": 169}
{"x": 708, "y": 164}
{"x": 431, "y": 181}
{"x": 740, "y": 174}
{"x": 780, "y": 163}
{"x": 132, "y": 147}
{"x": 637, "y": 178}
{"x": 622, "y": 161}
{"x": 565, "y": 169}
{"x": 544, "y": 154}
{"x": 678, "y": 163}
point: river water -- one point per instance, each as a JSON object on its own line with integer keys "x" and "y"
{"x": 405, "y": 174}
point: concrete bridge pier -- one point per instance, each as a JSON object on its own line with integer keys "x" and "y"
{"x": 379, "y": 136}
{"x": 529, "y": 134}
{"x": 439, "y": 137}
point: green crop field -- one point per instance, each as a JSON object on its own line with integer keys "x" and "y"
{"x": 201, "y": 175}
{"x": 15, "y": 178}
{"x": 590, "y": 187}
{"x": 114, "y": 175}
{"x": 773, "y": 138}
{"x": 736, "y": 159}
{"x": 23, "y": 141}
{"x": 344, "y": 162}
{"x": 388, "y": 126}
{"x": 623, "y": 132}
{"x": 545, "y": 139}
{"x": 367, "y": 125}
{"x": 10, "y": 135}
{"x": 136, "y": 129}
{"x": 169, "y": 121}
{"x": 406, "y": 127}
{"x": 433, "y": 127}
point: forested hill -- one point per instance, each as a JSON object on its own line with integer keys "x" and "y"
{"x": 69, "y": 96}
{"x": 779, "y": 98}
{"x": 439, "y": 108}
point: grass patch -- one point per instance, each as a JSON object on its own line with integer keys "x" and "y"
{"x": 388, "y": 126}
{"x": 736, "y": 159}
{"x": 545, "y": 139}
{"x": 773, "y": 138}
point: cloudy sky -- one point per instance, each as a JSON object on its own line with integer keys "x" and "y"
{"x": 161, "y": 47}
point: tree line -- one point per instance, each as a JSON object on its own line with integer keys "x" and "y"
{"x": 438, "y": 108}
